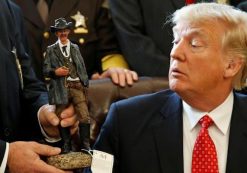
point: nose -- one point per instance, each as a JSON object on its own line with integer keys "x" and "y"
{"x": 178, "y": 51}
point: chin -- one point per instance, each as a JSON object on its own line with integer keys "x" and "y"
{"x": 176, "y": 86}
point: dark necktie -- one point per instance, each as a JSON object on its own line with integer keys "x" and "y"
{"x": 204, "y": 159}
{"x": 65, "y": 50}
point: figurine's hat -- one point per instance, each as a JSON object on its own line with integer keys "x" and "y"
{"x": 60, "y": 24}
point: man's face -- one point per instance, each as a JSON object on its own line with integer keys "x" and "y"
{"x": 63, "y": 35}
{"x": 197, "y": 58}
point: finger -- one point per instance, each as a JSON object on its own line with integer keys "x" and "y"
{"x": 66, "y": 122}
{"x": 53, "y": 119}
{"x": 68, "y": 112}
{"x": 134, "y": 75}
{"x": 129, "y": 78}
{"x": 122, "y": 74}
{"x": 95, "y": 76}
{"x": 44, "y": 167}
{"x": 114, "y": 77}
{"x": 44, "y": 150}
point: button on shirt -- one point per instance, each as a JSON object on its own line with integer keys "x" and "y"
{"x": 219, "y": 131}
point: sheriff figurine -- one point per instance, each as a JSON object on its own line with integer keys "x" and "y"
{"x": 68, "y": 82}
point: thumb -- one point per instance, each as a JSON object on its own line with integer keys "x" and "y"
{"x": 47, "y": 115}
{"x": 52, "y": 118}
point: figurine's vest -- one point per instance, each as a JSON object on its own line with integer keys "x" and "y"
{"x": 69, "y": 64}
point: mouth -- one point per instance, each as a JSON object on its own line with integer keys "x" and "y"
{"x": 175, "y": 72}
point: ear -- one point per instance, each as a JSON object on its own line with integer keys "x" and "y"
{"x": 233, "y": 66}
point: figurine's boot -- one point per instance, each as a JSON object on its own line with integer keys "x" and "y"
{"x": 66, "y": 138}
{"x": 84, "y": 129}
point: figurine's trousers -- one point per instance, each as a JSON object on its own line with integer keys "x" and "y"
{"x": 77, "y": 96}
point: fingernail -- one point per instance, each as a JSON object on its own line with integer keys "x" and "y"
{"x": 55, "y": 121}
{"x": 57, "y": 149}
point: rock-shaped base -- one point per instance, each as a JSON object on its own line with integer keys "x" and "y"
{"x": 69, "y": 161}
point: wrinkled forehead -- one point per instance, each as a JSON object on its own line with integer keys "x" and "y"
{"x": 187, "y": 29}
{"x": 202, "y": 29}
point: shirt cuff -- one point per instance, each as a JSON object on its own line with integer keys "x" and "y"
{"x": 47, "y": 137}
{"x": 5, "y": 158}
{"x": 113, "y": 60}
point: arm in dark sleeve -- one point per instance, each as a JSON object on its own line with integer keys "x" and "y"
{"x": 140, "y": 51}
{"x": 34, "y": 94}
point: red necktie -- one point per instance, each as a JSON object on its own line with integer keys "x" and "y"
{"x": 189, "y": 2}
{"x": 204, "y": 158}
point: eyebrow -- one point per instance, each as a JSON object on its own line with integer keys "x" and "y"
{"x": 193, "y": 31}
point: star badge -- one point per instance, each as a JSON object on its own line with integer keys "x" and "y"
{"x": 80, "y": 23}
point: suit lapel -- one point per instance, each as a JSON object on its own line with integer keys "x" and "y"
{"x": 237, "y": 150}
{"x": 168, "y": 135}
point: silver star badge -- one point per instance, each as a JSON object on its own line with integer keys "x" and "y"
{"x": 80, "y": 20}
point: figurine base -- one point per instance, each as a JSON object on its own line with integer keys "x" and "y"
{"x": 70, "y": 161}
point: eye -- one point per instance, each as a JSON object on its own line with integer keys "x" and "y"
{"x": 195, "y": 43}
{"x": 175, "y": 41}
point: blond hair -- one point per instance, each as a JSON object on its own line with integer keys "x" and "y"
{"x": 234, "y": 39}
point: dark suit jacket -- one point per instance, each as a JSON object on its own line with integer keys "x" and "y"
{"x": 98, "y": 42}
{"x": 18, "y": 107}
{"x": 54, "y": 59}
{"x": 145, "y": 134}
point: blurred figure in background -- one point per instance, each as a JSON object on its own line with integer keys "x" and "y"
{"x": 92, "y": 31}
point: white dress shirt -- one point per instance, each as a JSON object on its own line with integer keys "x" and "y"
{"x": 68, "y": 54}
{"x": 219, "y": 131}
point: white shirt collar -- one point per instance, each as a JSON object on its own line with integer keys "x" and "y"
{"x": 67, "y": 48}
{"x": 221, "y": 115}
{"x": 61, "y": 45}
